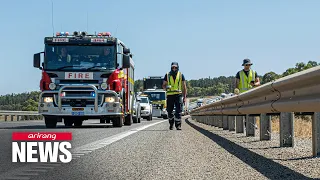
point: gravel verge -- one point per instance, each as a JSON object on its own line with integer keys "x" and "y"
{"x": 298, "y": 159}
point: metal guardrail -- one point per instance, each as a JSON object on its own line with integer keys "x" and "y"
{"x": 297, "y": 93}
{"x": 21, "y": 115}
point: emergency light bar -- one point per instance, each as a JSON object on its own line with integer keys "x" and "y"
{"x": 83, "y": 33}
{"x": 62, "y": 33}
{"x": 104, "y": 34}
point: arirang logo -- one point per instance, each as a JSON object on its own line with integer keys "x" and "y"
{"x": 26, "y": 145}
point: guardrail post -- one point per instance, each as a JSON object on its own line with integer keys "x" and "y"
{"x": 211, "y": 120}
{"x": 220, "y": 122}
{"x": 231, "y": 123}
{"x": 265, "y": 127}
{"x": 250, "y": 125}
{"x": 215, "y": 121}
{"x": 316, "y": 134}
{"x": 286, "y": 129}
{"x": 239, "y": 124}
{"x": 225, "y": 122}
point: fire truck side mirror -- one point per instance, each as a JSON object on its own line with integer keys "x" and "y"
{"x": 126, "y": 50}
{"x": 36, "y": 60}
{"x": 126, "y": 61}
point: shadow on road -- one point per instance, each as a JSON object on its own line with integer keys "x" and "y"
{"x": 267, "y": 167}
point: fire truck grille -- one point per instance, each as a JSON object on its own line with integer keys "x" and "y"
{"x": 81, "y": 101}
{"x": 158, "y": 106}
{"x": 78, "y": 103}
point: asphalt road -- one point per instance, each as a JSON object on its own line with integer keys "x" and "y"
{"x": 148, "y": 150}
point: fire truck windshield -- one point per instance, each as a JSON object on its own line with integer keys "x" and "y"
{"x": 66, "y": 57}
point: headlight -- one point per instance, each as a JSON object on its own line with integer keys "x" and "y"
{"x": 48, "y": 99}
{"x": 104, "y": 86}
{"x": 109, "y": 99}
{"x": 52, "y": 86}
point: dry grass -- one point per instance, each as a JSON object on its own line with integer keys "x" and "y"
{"x": 302, "y": 127}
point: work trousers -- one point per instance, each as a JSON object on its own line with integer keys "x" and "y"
{"x": 174, "y": 101}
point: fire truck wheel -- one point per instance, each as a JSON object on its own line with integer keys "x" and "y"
{"x": 128, "y": 120}
{"x": 51, "y": 122}
{"x": 78, "y": 123}
{"x": 117, "y": 122}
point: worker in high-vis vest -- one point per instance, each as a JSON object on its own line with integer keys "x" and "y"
{"x": 64, "y": 56}
{"x": 247, "y": 78}
{"x": 175, "y": 85}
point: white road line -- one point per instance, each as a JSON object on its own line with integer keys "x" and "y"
{"x": 112, "y": 139}
{"x": 76, "y": 152}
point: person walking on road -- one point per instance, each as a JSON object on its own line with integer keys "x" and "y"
{"x": 247, "y": 78}
{"x": 175, "y": 85}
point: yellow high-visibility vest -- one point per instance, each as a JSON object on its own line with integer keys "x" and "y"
{"x": 68, "y": 58}
{"x": 176, "y": 85}
{"x": 244, "y": 84}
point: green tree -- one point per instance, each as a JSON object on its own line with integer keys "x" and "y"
{"x": 270, "y": 76}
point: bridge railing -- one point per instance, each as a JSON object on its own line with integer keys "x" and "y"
{"x": 297, "y": 94}
{"x": 20, "y": 115}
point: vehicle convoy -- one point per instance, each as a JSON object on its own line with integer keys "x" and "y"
{"x": 199, "y": 102}
{"x": 85, "y": 76}
{"x": 152, "y": 86}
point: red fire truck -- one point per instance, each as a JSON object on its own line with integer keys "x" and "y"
{"x": 85, "y": 76}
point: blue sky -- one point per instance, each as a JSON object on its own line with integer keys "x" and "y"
{"x": 206, "y": 37}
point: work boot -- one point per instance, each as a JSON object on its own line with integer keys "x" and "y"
{"x": 171, "y": 127}
{"x": 178, "y": 123}
{"x": 171, "y": 122}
